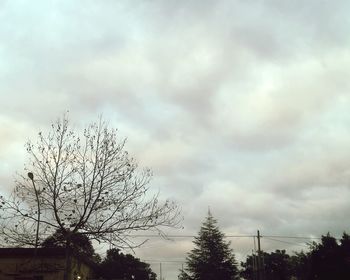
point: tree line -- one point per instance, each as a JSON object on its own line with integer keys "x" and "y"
{"x": 212, "y": 258}
{"x": 83, "y": 186}
{"x": 328, "y": 259}
{"x": 115, "y": 265}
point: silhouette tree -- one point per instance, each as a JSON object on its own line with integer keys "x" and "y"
{"x": 300, "y": 265}
{"x": 85, "y": 183}
{"x": 117, "y": 265}
{"x": 249, "y": 268}
{"x": 212, "y": 258}
{"x": 345, "y": 256}
{"x": 277, "y": 266}
{"x": 79, "y": 244}
{"x": 82, "y": 183}
{"x": 328, "y": 259}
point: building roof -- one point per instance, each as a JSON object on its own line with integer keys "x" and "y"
{"x": 44, "y": 252}
{"x": 29, "y": 252}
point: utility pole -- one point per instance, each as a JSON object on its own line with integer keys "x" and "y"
{"x": 254, "y": 263}
{"x": 260, "y": 262}
{"x": 160, "y": 271}
{"x": 31, "y": 177}
{"x": 259, "y": 248}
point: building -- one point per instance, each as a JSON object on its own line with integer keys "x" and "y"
{"x": 42, "y": 264}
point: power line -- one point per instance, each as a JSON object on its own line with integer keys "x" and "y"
{"x": 226, "y": 235}
{"x": 164, "y": 261}
{"x": 180, "y": 236}
{"x": 286, "y": 242}
{"x": 291, "y": 237}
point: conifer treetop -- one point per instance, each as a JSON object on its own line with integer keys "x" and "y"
{"x": 212, "y": 258}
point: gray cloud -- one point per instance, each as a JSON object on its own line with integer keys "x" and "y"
{"x": 237, "y": 105}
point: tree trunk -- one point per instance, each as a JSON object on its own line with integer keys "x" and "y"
{"x": 68, "y": 266}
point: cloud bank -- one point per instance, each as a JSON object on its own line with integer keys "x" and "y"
{"x": 237, "y": 105}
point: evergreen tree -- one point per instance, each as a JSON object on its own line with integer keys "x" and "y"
{"x": 212, "y": 258}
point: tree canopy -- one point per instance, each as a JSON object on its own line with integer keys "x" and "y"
{"x": 328, "y": 259}
{"x": 79, "y": 244}
{"x": 84, "y": 183}
{"x": 212, "y": 258}
{"x": 117, "y": 265}
{"x": 276, "y": 266}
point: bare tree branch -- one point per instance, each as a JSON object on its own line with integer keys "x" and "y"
{"x": 86, "y": 184}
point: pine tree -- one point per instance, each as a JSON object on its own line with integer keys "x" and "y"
{"x": 212, "y": 258}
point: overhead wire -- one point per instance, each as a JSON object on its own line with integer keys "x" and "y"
{"x": 286, "y": 242}
{"x": 226, "y": 235}
{"x": 181, "y": 236}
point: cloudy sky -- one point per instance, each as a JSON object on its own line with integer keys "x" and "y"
{"x": 242, "y": 106}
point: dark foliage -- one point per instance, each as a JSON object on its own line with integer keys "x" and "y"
{"x": 79, "y": 244}
{"x": 326, "y": 260}
{"x": 117, "y": 265}
{"x": 329, "y": 259}
{"x": 276, "y": 266}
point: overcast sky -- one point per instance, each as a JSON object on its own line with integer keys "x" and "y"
{"x": 242, "y": 106}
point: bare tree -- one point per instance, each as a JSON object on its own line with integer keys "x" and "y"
{"x": 86, "y": 184}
